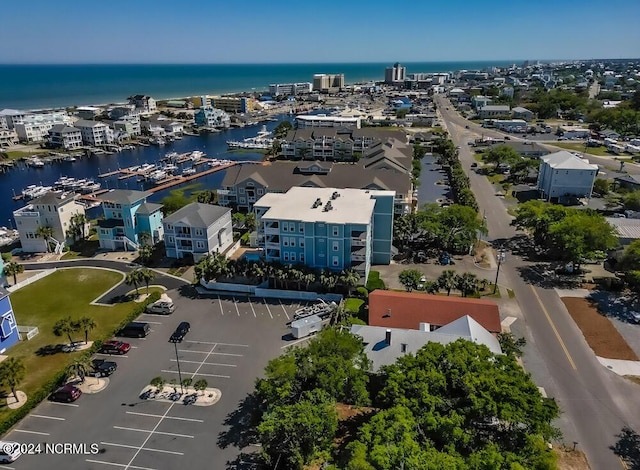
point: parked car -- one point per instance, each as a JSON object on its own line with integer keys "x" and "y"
{"x": 115, "y": 347}
{"x": 9, "y": 451}
{"x": 66, "y": 393}
{"x": 181, "y": 331}
{"x": 135, "y": 329}
{"x": 161, "y": 307}
{"x": 102, "y": 368}
{"x": 506, "y": 137}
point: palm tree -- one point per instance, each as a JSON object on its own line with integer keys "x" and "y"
{"x": 147, "y": 275}
{"x": 12, "y": 371}
{"x": 144, "y": 238}
{"x": 13, "y": 269}
{"x": 85, "y": 324}
{"x": 65, "y": 326}
{"x": 308, "y": 279}
{"x": 79, "y": 368}
{"x": 447, "y": 280}
{"x": 133, "y": 278}
{"x": 46, "y": 233}
{"x": 349, "y": 279}
{"x": 79, "y": 223}
{"x": 467, "y": 284}
{"x": 144, "y": 253}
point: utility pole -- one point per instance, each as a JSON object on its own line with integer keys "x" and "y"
{"x": 501, "y": 257}
{"x": 175, "y": 342}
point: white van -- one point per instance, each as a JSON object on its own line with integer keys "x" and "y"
{"x": 9, "y": 451}
{"x": 161, "y": 307}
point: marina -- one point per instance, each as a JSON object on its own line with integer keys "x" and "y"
{"x": 262, "y": 141}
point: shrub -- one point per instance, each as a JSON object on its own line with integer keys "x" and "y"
{"x": 362, "y": 292}
{"x": 374, "y": 282}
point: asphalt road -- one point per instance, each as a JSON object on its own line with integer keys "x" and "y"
{"x": 595, "y": 402}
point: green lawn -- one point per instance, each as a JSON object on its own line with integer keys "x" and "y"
{"x": 353, "y": 305}
{"x": 65, "y": 292}
{"x": 598, "y": 151}
{"x": 15, "y": 154}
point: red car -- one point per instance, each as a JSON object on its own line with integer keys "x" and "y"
{"x": 66, "y": 393}
{"x": 115, "y": 347}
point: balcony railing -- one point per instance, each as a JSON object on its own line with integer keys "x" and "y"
{"x": 226, "y": 192}
{"x": 271, "y": 231}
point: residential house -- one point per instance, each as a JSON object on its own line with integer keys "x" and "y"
{"x": 94, "y": 133}
{"x": 494, "y": 111}
{"x": 118, "y": 112}
{"x": 327, "y": 228}
{"x": 88, "y": 112}
{"x": 9, "y": 334}
{"x": 409, "y": 310}
{"x": 127, "y": 214}
{"x": 526, "y": 149}
{"x": 8, "y": 137}
{"x": 563, "y": 176}
{"x": 523, "y": 113}
{"x": 243, "y": 185}
{"x": 628, "y": 229}
{"x": 631, "y": 182}
{"x": 479, "y": 101}
{"x": 210, "y": 117}
{"x": 196, "y": 230}
{"x": 35, "y": 127}
{"x": 54, "y": 209}
{"x": 10, "y": 117}
{"x": 143, "y": 103}
{"x": 304, "y": 121}
{"x": 65, "y": 137}
{"x": 169, "y": 126}
{"x": 383, "y": 346}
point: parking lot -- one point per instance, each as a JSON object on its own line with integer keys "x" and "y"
{"x": 230, "y": 342}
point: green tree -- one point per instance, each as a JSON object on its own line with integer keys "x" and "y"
{"x": 410, "y": 278}
{"x": 250, "y": 221}
{"x": 79, "y": 224}
{"x": 12, "y": 372}
{"x": 293, "y": 434}
{"x": 144, "y": 238}
{"x": 146, "y": 276}
{"x": 238, "y": 219}
{"x": 447, "y": 280}
{"x": 158, "y": 383}
{"x": 200, "y": 385}
{"x": 207, "y": 196}
{"x": 46, "y": 233}
{"x": 65, "y": 326}
{"x": 601, "y": 186}
{"x": 281, "y": 130}
{"x": 85, "y": 324}
{"x": 134, "y": 278}
{"x": 145, "y": 252}
{"x": 13, "y": 269}
{"x": 631, "y": 201}
{"x": 467, "y": 283}
{"x": 511, "y": 345}
{"x": 537, "y": 216}
{"x": 80, "y": 367}
{"x": 630, "y": 260}
{"x": 502, "y": 155}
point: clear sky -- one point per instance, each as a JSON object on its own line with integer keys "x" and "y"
{"x": 284, "y": 31}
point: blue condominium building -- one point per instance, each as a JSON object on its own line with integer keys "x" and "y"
{"x": 327, "y": 228}
{"x": 127, "y": 214}
{"x": 8, "y": 327}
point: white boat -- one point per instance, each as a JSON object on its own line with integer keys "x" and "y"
{"x": 69, "y": 158}
{"x": 170, "y": 168}
{"x": 196, "y": 155}
{"x": 171, "y": 156}
{"x": 157, "y": 175}
{"x": 188, "y": 171}
{"x": 90, "y": 187}
{"x": 260, "y": 142}
{"x": 147, "y": 167}
{"x": 35, "y": 163}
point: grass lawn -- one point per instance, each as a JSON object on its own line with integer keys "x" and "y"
{"x": 15, "y": 154}
{"x": 66, "y": 292}
{"x": 577, "y": 147}
{"x": 82, "y": 249}
{"x": 353, "y": 305}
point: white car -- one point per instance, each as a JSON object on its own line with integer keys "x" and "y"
{"x": 161, "y": 307}
{"x": 9, "y": 451}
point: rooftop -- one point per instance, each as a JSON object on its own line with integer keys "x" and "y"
{"x": 568, "y": 161}
{"x": 197, "y": 214}
{"x": 352, "y": 206}
{"x": 55, "y": 198}
{"x": 124, "y": 196}
{"x": 87, "y": 123}
{"x": 626, "y": 228}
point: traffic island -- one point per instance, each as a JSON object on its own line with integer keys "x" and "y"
{"x": 90, "y": 385}
{"x": 12, "y": 403}
{"x": 189, "y": 396}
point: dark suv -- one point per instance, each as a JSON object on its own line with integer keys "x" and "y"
{"x": 181, "y": 331}
{"x": 102, "y": 368}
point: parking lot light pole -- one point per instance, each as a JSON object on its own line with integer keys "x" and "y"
{"x": 175, "y": 342}
{"x": 501, "y": 257}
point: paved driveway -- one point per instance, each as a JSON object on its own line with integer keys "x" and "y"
{"x": 230, "y": 342}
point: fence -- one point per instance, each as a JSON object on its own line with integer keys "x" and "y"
{"x": 31, "y": 331}
{"x": 262, "y": 291}
{"x": 31, "y": 279}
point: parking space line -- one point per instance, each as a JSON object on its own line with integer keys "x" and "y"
{"x": 235, "y": 304}
{"x": 220, "y": 303}
{"x": 153, "y": 322}
{"x": 267, "y": 305}
{"x": 111, "y": 355}
{"x": 294, "y": 343}
{"x": 207, "y": 352}
{"x": 154, "y": 432}
{"x": 284, "y": 309}
{"x": 219, "y": 344}
{"x": 162, "y": 451}
{"x": 196, "y": 373}
{"x": 47, "y": 417}
{"x": 64, "y": 404}
{"x": 166, "y": 417}
{"x": 32, "y": 432}
{"x": 251, "y": 305}
{"x": 205, "y": 363}
{"x": 115, "y": 464}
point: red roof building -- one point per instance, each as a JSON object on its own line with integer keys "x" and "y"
{"x": 407, "y": 310}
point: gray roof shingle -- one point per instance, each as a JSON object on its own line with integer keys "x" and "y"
{"x": 197, "y": 214}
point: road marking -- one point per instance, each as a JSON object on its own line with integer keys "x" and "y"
{"x": 133, "y": 347}
{"x": 553, "y": 327}
{"x": 111, "y": 355}
{"x": 251, "y": 305}
{"x": 294, "y": 343}
{"x": 32, "y": 432}
{"x": 205, "y": 363}
{"x": 166, "y": 417}
{"x": 47, "y": 417}
{"x": 235, "y": 304}
{"x": 284, "y": 309}
{"x": 115, "y": 464}
{"x": 220, "y": 303}
{"x": 194, "y": 374}
{"x": 154, "y": 432}
{"x": 623, "y": 463}
{"x": 141, "y": 448}
{"x": 268, "y": 309}
{"x": 220, "y": 344}
{"x": 64, "y": 404}
{"x": 207, "y": 352}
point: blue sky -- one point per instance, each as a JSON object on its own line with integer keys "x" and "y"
{"x": 283, "y": 31}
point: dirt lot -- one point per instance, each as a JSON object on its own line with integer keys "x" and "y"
{"x": 598, "y": 330}
{"x": 569, "y": 459}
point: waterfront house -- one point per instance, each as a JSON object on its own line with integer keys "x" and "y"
{"x": 210, "y": 117}
{"x": 9, "y": 117}
{"x": 563, "y": 176}
{"x": 65, "y": 137}
{"x": 304, "y": 121}
{"x": 94, "y": 133}
{"x": 9, "y": 334}
{"x": 54, "y": 209}
{"x": 144, "y": 104}
{"x": 196, "y": 230}
{"x": 127, "y": 214}
{"x": 8, "y": 137}
{"x": 243, "y": 185}
{"x": 88, "y": 112}
{"x": 119, "y": 112}
{"x": 35, "y": 128}
{"x": 327, "y": 228}
{"x": 383, "y": 346}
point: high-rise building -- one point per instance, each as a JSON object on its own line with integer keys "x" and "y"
{"x": 395, "y": 74}
{"x": 328, "y": 82}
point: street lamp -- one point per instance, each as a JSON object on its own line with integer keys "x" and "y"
{"x": 175, "y": 342}
{"x": 502, "y": 256}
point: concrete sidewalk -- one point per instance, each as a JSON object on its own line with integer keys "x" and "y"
{"x": 621, "y": 367}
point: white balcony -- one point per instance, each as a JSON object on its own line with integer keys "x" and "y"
{"x": 271, "y": 231}
{"x": 226, "y": 192}
{"x": 358, "y": 242}
{"x": 272, "y": 246}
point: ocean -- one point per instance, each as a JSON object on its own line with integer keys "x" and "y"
{"x": 30, "y": 87}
